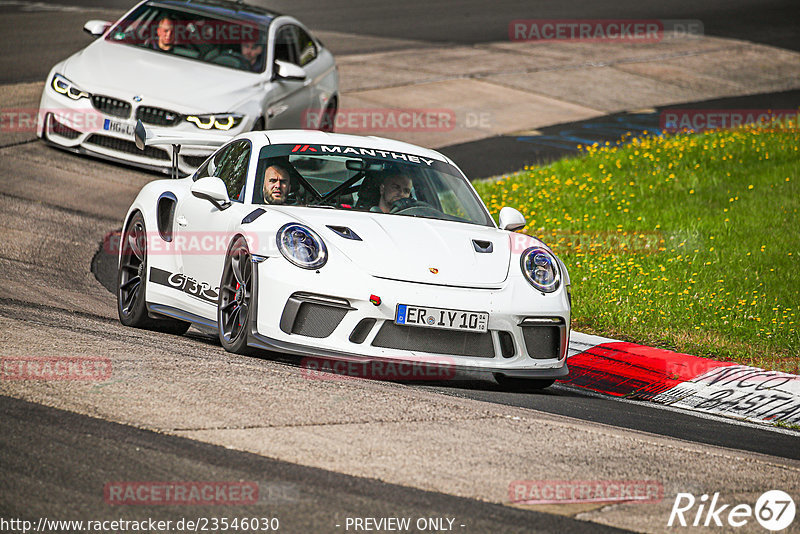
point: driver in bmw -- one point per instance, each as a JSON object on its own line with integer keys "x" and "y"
{"x": 394, "y": 187}
{"x": 166, "y": 36}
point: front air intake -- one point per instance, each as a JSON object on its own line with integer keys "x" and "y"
{"x": 306, "y": 314}
{"x": 434, "y": 340}
{"x": 545, "y": 338}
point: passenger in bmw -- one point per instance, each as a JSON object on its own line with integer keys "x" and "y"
{"x": 277, "y": 185}
{"x": 252, "y": 51}
{"x": 395, "y": 187}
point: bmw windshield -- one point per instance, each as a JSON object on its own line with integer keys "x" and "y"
{"x": 362, "y": 179}
{"x": 194, "y": 35}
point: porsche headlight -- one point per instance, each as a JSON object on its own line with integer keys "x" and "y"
{"x": 302, "y": 246}
{"x": 67, "y": 88}
{"x": 221, "y": 121}
{"x": 540, "y": 268}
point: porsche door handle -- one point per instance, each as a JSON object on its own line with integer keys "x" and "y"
{"x": 182, "y": 221}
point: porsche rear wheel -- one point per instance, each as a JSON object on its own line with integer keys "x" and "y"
{"x": 132, "y": 283}
{"x": 512, "y": 383}
{"x": 235, "y": 297}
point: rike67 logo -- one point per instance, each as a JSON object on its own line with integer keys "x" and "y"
{"x": 774, "y": 510}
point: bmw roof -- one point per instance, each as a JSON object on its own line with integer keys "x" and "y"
{"x": 222, "y": 8}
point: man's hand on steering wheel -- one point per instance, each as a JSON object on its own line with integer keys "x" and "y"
{"x": 403, "y": 204}
{"x": 408, "y": 203}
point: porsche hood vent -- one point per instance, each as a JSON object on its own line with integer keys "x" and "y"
{"x": 345, "y": 232}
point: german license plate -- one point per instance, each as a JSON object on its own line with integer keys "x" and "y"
{"x": 445, "y": 318}
{"x": 118, "y": 127}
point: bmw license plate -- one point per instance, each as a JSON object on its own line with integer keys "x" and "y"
{"x": 445, "y": 318}
{"x": 123, "y": 128}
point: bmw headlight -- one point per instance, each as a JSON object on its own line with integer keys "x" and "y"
{"x": 541, "y": 269}
{"x": 65, "y": 87}
{"x": 302, "y": 246}
{"x": 218, "y": 121}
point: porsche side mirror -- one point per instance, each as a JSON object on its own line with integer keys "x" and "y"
{"x": 212, "y": 189}
{"x": 96, "y": 28}
{"x": 288, "y": 71}
{"x": 511, "y": 219}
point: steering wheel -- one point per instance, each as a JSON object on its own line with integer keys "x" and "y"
{"x": 408, "y": 203}
{"x": 229, "y": 58}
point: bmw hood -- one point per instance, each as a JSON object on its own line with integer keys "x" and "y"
{"x": 414, "y": 249}
{"x": 185, "y": 85}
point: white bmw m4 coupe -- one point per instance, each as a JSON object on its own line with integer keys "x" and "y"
{"x": 200, "y": 67}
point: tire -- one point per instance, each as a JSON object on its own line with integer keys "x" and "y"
{"x": 328, "y": 121}
{"x": 132, "y": 283}
{"x": 235, "y": 298}
{"x": 512, "y": 383}
{"x": 258, "y": 125}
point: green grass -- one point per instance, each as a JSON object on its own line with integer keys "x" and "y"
{"x": 784, "y": 424}
{"x": 688, "y": 242}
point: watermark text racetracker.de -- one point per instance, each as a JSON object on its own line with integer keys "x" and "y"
{"x": 433, "y": 369}
{"x": 181, "y": 493}
{"x": 381, "y": 120}
{"x": 198, "y": 493}
{"x": 593, "y": 241}
{"x": 184, "y": 524}
{"x": 195, "y": 32}
{"x": 54, "y": 368}
{"x": 209, "y": 243}
{"x": 699, "y": 120}
{"x": 28, "y": 120}
{"x": 603, "y": 30}
{"x": 531, "y": 492}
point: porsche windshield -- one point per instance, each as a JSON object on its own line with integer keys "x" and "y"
{"x": 366, "y": 180}
{"x": 235, "y": 44}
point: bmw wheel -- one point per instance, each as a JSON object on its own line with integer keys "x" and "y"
{"x": 328, "y": 121}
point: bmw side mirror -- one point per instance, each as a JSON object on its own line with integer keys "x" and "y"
{"x": 288, "y": 71}
{"x": 511, "y": 219}
{"x": 212, "y": 189}
{"x": 96, "y": 28}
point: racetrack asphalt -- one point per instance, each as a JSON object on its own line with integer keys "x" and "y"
{"x": 66, "y": 481}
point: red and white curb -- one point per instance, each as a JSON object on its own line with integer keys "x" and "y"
{"x": 637, "y": 372}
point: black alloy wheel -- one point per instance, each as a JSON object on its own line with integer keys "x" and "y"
{"x": 132, "y": 282}
{"x": 235, "y": 297}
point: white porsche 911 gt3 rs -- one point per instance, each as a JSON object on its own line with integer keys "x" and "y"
{"x": 344, "y": 248}
{"x": 192, "y": 68}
